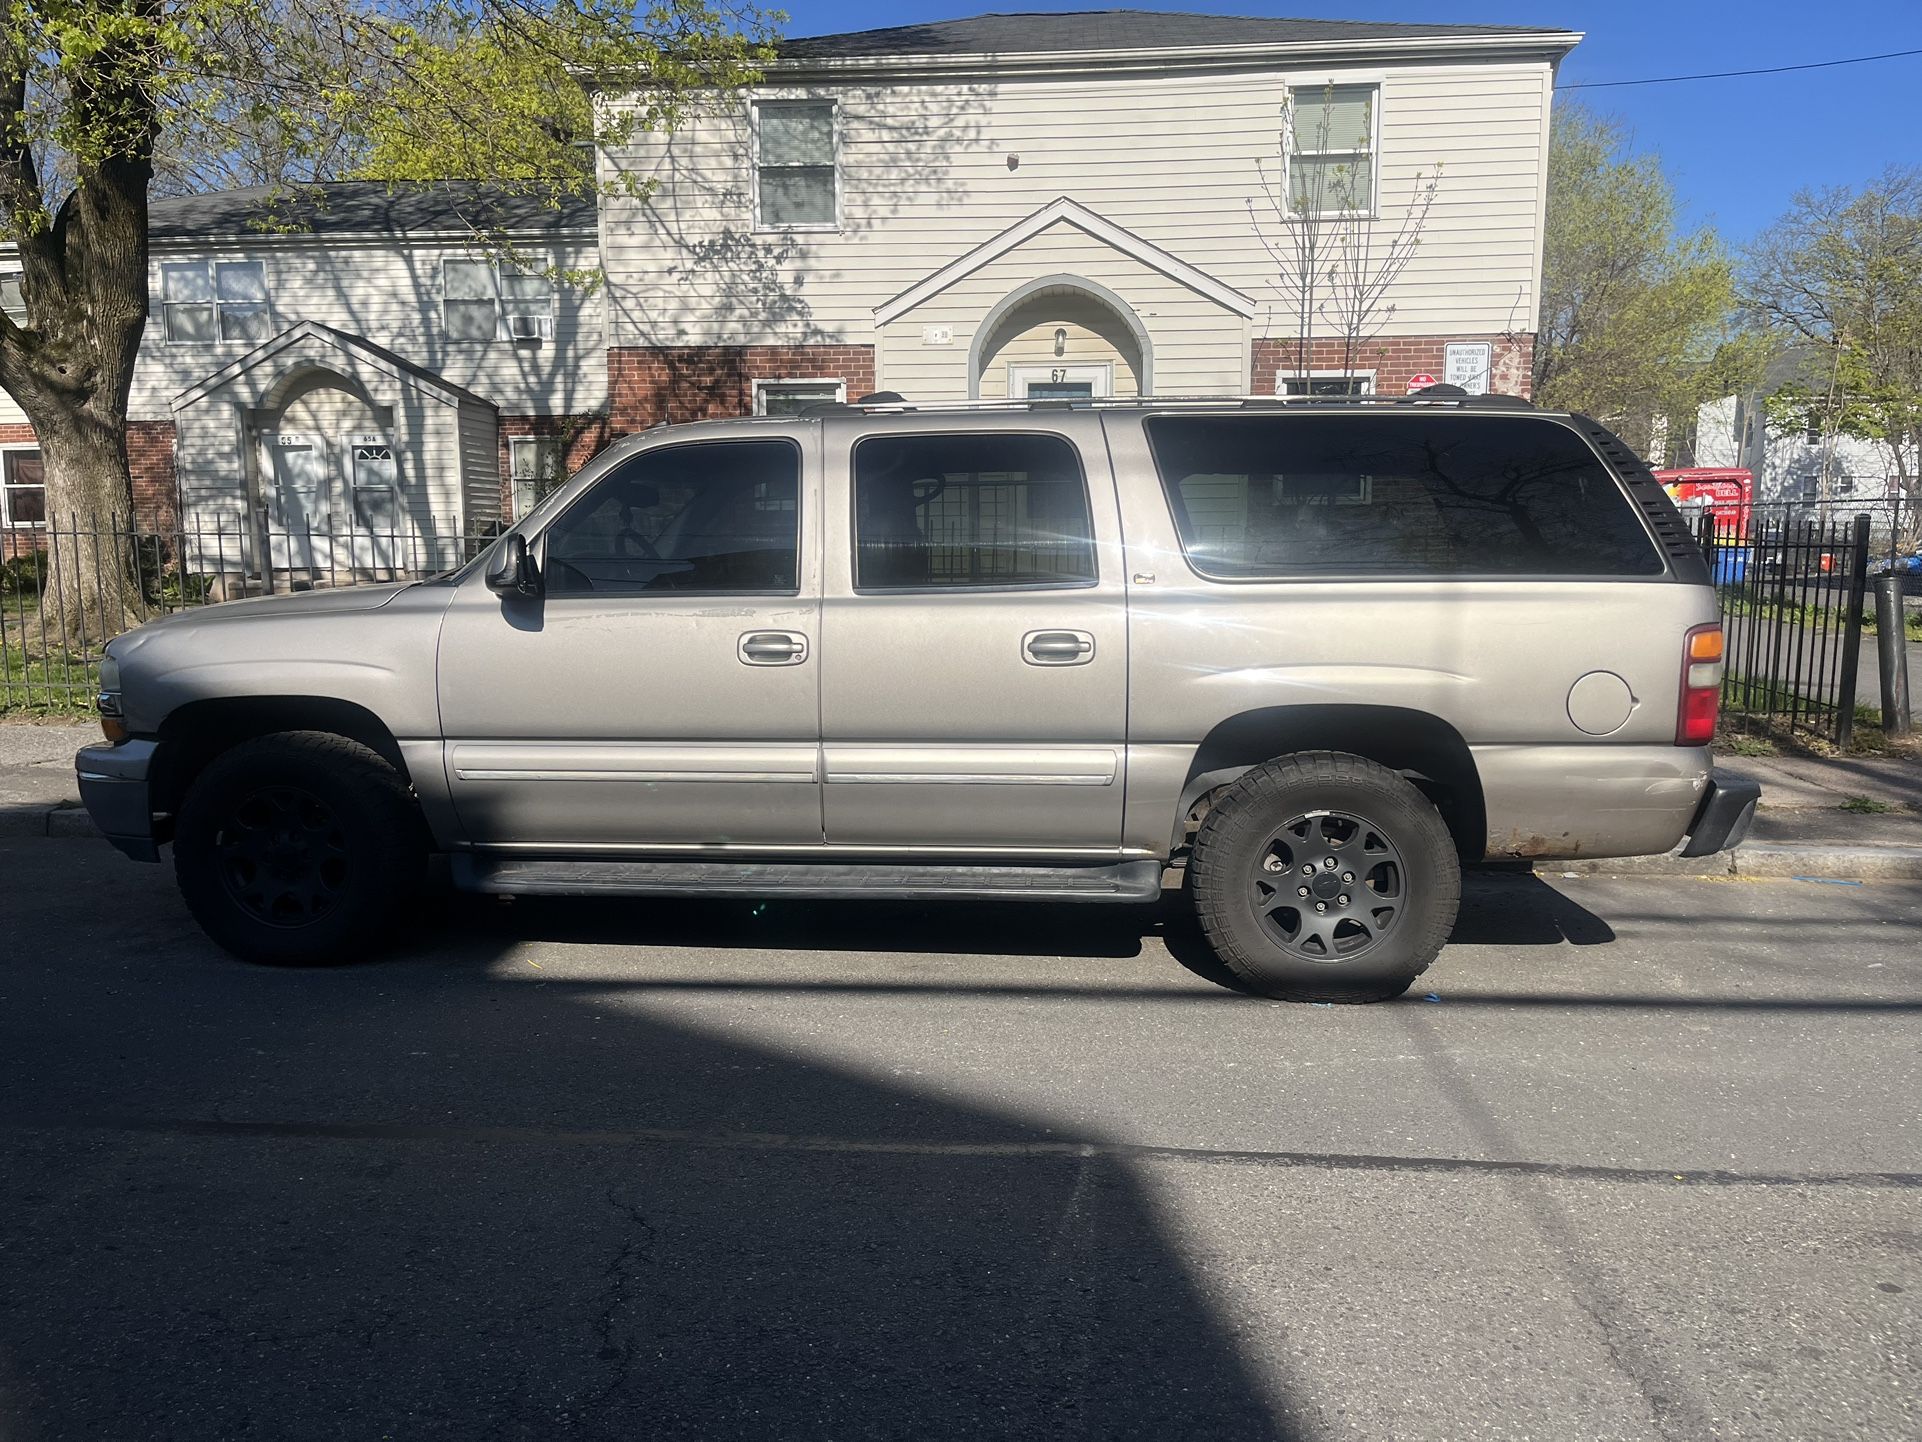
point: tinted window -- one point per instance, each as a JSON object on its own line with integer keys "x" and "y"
{"x": 1430, "y": 495}
{"x": 709, "y": 518}
{"x": 970, "y": 510}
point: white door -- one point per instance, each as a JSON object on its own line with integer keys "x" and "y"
{"x": 1060, "y": 383}
{"x": 299, "y": 503}
{"x": 383, "y": 539}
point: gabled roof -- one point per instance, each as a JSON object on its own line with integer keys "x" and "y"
{"x": 364, "y": 207}
{"x": 358, "y": 347}
{"x": 1084, "y": 31}
{"x": 1076, "y": 214}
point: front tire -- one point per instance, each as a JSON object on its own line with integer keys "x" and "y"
{"x": 298, "y": 849}
{"x": 1325, "y": 877}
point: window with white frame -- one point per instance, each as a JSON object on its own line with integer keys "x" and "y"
{"x": 1327, "y": 383}
{"x": 23, "y": 488}
{"x": 794, "y": 158}
{"x": 204, "y": 300}
{"x": 481, "y": 300}
{"x": 535, "y": 462}
{"x": 791, "y": 397}
{"x": 1331, "y": 149}
{"x": 13, "y": 299}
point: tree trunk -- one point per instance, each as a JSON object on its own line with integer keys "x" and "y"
{"x": 92, "y": 590}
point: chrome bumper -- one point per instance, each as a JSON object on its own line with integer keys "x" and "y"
{"x": 114, "y": 788}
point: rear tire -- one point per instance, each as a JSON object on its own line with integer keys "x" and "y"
{"x": 1377, "y": 865}
{"x": 298, "y": 849}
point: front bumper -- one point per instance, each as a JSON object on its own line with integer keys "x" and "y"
{"x": 115, "y": 787}
{"x": 1724, "y": 817}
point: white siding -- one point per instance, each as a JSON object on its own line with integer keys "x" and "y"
{"x": 1177, "y": 160}
{"x": 390, "y": 294}
{"x": 480, "y": 465}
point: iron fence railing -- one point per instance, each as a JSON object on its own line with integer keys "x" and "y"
{"x": 66, "y": 589}
{"x": 1791, "y": 582}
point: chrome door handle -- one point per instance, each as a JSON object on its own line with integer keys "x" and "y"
{"x": 772, "y": 648}
{"x": 1057, "y": 648}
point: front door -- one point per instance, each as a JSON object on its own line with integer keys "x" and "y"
{"x": 664, "y": 690}
{"x": 1060, "y": 382}
{"x": 379, "y": 529}
{"x": 974, "y": 640}
{"x": 299, "y": 501}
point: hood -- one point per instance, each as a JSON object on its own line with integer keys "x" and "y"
{"x": 331, "y": 601}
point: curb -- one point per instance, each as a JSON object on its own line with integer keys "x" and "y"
{"x": 59, "y": 820}
{"x": 1815, "y": 860}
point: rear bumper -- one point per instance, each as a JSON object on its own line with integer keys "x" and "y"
{"x": 1724, "y": 816}
{"x": 114, "y": 786}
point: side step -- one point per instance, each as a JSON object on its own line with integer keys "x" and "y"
{"x": 567, "y": 876}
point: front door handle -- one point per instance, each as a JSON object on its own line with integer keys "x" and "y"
{"x": 1057, "y": 648}
{"x": 773, "y": 648}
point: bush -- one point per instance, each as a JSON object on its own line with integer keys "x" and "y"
{"x": 24, "y": 575}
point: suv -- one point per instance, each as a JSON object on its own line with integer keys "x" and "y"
{"x": 1307, "y": 657}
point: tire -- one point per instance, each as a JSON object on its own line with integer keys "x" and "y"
{"x": 1275, "y": 833}
{"x": 298, "y": 849}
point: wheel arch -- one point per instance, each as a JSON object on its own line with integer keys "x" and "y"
{"x": 1420, "y": 745}
{"x": 194, "y": 734}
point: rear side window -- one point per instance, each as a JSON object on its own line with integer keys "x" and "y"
{"x": 970, "y": 511}
{"x": 719, "y": 518}
{"x": 1257, "y": 497}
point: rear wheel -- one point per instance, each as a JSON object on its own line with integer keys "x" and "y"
{"x": 298, "y": 849}
{"x": 1325, "y": 877}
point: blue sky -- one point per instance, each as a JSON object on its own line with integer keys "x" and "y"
{"x": 1737, "y": 150}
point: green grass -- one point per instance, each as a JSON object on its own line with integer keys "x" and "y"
{"x": 51, "y": 685}
{"x": 1866, "y": 806}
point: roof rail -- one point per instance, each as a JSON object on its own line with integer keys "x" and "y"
{"x": 1216, "y": 402}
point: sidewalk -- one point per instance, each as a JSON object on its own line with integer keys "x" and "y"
{"x": 1852, "y": 818}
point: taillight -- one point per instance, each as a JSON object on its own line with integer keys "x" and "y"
{"x": 1701, "y": 685}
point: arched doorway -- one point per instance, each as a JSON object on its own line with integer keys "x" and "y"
{"x": 1060, "y": 337}
{"x": 329, "y": 477}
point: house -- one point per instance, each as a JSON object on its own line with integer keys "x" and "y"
{"x": 1078, "y": 205}
{"x": 1008, "y": 206}
{"x": 339, "y": 373}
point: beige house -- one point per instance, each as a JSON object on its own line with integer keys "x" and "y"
{"x": 1083, "y": 204}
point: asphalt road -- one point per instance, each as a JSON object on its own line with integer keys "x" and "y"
{"x": 1643, "y": 1161}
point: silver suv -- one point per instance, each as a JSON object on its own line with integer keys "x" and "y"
{"x": 1305, "y": 658}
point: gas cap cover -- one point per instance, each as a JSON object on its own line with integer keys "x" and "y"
{"x": 1600, "y": 703}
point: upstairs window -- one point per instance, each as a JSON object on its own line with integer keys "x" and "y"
{"x": 481, "y": 300}
{"x": 1331, "y": 149}
{"x": 214, "y": 300}
{"x": 796, "y": 186}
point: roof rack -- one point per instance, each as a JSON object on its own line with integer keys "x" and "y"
{"x": 895, "y": 406}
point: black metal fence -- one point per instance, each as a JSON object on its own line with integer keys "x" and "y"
{"x": 67, "y": 589}
{"x": 1792, "y": 583}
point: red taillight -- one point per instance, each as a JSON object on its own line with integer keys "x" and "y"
{"x": 1701, "y": 685}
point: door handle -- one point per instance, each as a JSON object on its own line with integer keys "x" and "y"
{"x": 1057, "y": 648}
{"x": 772, "y": 648}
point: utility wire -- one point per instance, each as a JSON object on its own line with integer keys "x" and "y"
{"x": 1730, "y": 74}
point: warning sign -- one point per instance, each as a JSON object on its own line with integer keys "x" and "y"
{"x": 1467, "y": 364}
{"x": 1420, "y": 382}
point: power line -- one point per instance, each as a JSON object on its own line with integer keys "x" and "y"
{"x": 1731, "y": 74}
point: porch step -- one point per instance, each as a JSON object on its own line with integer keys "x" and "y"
{"x": 570, "y": 876}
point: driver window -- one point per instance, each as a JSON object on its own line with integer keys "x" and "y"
{"x": 701, "y": 519}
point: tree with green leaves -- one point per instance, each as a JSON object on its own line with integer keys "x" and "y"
{"x": 1840, "y": 275}
{"x": 1635, "y": 319}
{"x": 103, "y": 100}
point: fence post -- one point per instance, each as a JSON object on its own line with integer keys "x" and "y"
{"x": 1892, "y": 654}
{"x": 1852, "y": 635}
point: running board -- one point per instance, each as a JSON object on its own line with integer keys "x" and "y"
{"x": 564, "y": 876}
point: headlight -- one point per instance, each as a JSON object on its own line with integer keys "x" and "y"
{"x": 112, "y": 726}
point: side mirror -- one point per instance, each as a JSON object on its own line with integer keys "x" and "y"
{"x": 511, "y": 572}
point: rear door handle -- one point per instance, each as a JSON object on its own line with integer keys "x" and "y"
{"x": 773, "y": 648}
{"x": 1057, "y": 648}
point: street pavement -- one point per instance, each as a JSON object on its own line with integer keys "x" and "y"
{"x": 1640, "y": 1158}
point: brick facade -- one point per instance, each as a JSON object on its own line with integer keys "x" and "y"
{"x": 583, "y": 437}
{"x": 649, "y": 385}
{"x": 1394, "y": 359}
{"x": 156, "y": 485}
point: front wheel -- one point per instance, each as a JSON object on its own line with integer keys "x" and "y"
{"x": 1325, "y": 877}
{"x": 298, "y": 849}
